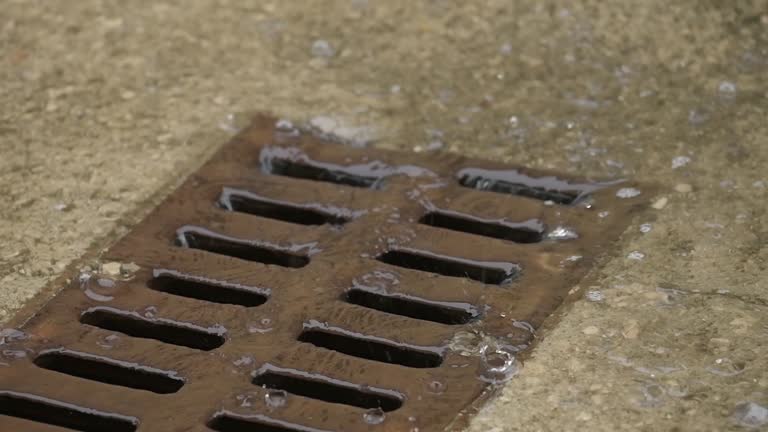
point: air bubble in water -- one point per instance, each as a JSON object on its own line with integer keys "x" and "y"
{"x": 646, "y": 228}
{"x": 374, "y": 416}
{"x": 275, "y": 398}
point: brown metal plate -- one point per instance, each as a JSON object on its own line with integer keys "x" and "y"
{"x": 296, "y": 285}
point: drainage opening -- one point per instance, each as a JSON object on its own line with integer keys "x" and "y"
{"x": 109, "y": 371}
{"x": 226, "y": 421}
{"x": 532, "y": 232}
{"x": 515, "y": 183}
{"x": 439, "y": 312}
{"x": 370, "y": 348}
{"x": 133, "y": 324}
{"x": 43, "y": 410}
{"x": 198, "y": 238}
{"x": 215, "y": 292}
{"x": 489, "y": 273}
{"x": 246, "y": 202}
{"x": 327, "y": 389}
{"x": 330, "y": 173}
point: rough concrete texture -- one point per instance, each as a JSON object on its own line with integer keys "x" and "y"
{"x": 105, "y": 105}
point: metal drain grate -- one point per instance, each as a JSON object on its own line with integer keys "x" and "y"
{"x": 293, "y": 285}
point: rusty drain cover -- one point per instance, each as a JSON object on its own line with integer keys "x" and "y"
{"x": 296, "y": 285}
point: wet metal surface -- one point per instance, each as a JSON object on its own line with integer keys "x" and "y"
{"x": 296, "y": 285}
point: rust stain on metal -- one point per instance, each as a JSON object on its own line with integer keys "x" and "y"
{"x": 296, "y": 285}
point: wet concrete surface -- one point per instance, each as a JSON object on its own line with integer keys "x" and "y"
{"x": 106, "y": 106}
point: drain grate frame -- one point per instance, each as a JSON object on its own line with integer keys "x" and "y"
{"x": 294, "y": 231}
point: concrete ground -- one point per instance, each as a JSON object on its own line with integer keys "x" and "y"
{"x": 105, "y": 105}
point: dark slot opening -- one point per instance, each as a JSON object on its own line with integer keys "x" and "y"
{"x": 521, "y": 189}
{"x": 207, "y": 291}
{"x": 280, "y": 210}
{"x": 338, "y": 174}
{"x": 249, "y": 251}
{"x": 109, "y": 371}
{"x": 55, "y": 413}
{"x": 371, "y": 349}
{"x": 414, "y": 308}
{"x": 512, "y": 232}
{"x": 449, "y": 266}
{"x": 182, "y": 334}
{"x": 230, "y": 422}
{"x": 327, "y": 391}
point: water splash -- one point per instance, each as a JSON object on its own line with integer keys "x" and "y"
{"x": 374, "y": 416}
{"x": 628, "y": 192}
{"x": 275, "y": 398}
{"x": 562, "y": 233}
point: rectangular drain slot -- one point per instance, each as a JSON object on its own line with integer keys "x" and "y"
{"x": 198, "y": 288}
{"x": 370, "y": 348}
{"x": 515, "y": 183}
{"x": 52, "y": 412}
{"x": 109, "y": 371}
{"x": 527, "y": 232}
{"x": 226, "y": 421}
{"x": 496, "y": 273}
{"x": 163, "y": 330}
{"x": 326, "y": 389}
{"x": 246, "y": 202}
{"x": 330, "y": 173}
{"x": 439, "y": 312}
{"x": 198, "y": 238}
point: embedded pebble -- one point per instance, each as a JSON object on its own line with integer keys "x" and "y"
{"x": 636, "y": 255}
{"x": 683, "y": 188}
{"x": 591, "y": 330}
{"x": 111, "y": 268}
{"x": 660, "y": 203}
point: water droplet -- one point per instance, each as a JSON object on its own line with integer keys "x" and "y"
{"x": 436, "y": 387}
{"x": 10, "y": 335}
{"x": 263, "y": 326}
{"x": 499, "y": 365}
{"x": 750, "y": 414}
{"x": 14, "y": 354}
{"x": 727, "y": 89}
{"x": 109, "y": 341}
{"x": 562, "y": 233}
{"x": 646, "y": 228}
{"x": 245, "y": 400}
{"x": 595, "y": 296}
{"x": 105, "y": 283}
{"x": 627, "y": 193}
{"x": 374, "y": 416}
{"x": 680, "y": 161}
{"x": 275, "y": 398}
{"x": 243, "y": 361}
{"x": 636, "y": 255}
{"x": 323, "y": 49}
